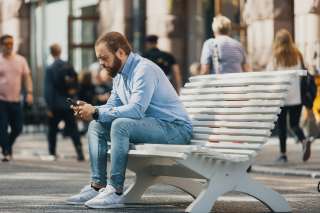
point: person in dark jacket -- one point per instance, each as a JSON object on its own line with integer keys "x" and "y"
{"x": 166, "y": 61}
{"x": 61, "y": 83}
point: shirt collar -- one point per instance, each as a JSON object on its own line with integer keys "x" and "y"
{"x": 132, "y": 61}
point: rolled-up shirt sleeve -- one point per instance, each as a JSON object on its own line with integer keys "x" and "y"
{"x": 144, "y": 84}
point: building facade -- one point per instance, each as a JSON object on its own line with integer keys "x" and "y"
{"x": 265, "y": 17}
{"x": 182, "y": 26}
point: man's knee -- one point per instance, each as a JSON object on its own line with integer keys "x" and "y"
{"x": 95, "y": 126}
{"x": 122, "y": 125}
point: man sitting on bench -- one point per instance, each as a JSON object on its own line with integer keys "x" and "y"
{"x": 143, "y": 108}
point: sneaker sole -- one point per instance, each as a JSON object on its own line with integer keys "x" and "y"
{"x": 74, "y": 203}
{"x": 111, "y": 206}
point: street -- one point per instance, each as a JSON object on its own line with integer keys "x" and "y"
{"x": 29, "y": 184}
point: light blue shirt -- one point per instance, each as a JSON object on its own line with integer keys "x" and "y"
{"x": 141, "y": 89}
{"x": 231, "y": 55}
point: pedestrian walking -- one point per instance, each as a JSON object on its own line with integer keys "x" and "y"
{"x": 166, "y": 61}
{"x": 222, "y": 54}
{"x": 14, "y": 72}
{"x": 61, "y": 83}
{"x": 142, "y": 98}
{"x": 286, "y": 56}
{"x": 87, "y": 94}
{"x": 102, "y": 84}
{"x": 103, "y": 87}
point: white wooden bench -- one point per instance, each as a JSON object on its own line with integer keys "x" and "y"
{"x": 232, "y": 115}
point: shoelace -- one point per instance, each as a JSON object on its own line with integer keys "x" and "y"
{"x": 105, "y": 191}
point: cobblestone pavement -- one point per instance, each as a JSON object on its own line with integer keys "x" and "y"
{"x": 29, "y": 184}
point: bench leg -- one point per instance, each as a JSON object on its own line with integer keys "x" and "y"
{"x": 273, "y": 200}
{"x": 143, "y": 180}
{"x": 134, "y": 193}
{"x": 208, "y": 196}
{"x": 189, "y": 186}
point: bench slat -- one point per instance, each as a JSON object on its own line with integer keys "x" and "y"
{"x": 235, "y": 90}
{"x": 252, "y": 117}
{"x": 230, "y": 104}
{"x": 156, "y": 153}
{"x": 236, "y": 151}
{"x": 235, "y": 97}
{"x": 167, "y": 148}
{"x": 231, "y": 138}
{"x": 238, "y": 82}
{"x": 230, "y": 131}
{"x": 229, "y": 145}
{"x": 211, "y": 154}
{"x": 173, "y": 150}
{"x": 226, "y": 145}
{"x": 250, "y": 74}
{"x": 194, "y": 146}
{"x": 235, "y": 111}
{"x": 233, "y": 124}
{"x": 154, "y": 150}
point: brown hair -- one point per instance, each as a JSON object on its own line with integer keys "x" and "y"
{"x": 4, "y": 37}
{"x": 284, "y": 50}
{"x": 115, "y": 41}
{"x": 55, "y": 50}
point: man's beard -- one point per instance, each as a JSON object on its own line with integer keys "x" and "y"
{"x": 114, "y": 69}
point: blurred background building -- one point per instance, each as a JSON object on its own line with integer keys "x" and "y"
{"x": 182, "y": 26}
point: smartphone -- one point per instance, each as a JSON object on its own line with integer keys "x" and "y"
{"x": 70, "y": 101}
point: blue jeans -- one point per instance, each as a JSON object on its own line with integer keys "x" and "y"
{"x": 121, "y": 132}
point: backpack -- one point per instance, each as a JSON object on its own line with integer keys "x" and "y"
{"x": 66, "y": 79}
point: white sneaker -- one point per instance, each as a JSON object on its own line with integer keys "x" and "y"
{"x": 107, "y": 198}
{"x": 86, "y": 193}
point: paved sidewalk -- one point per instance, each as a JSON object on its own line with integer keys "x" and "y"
{"x": 265, "y": 162}
{"x": 29, "y": 184}
{"x": 34, "y": 146}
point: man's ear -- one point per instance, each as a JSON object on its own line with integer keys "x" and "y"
{"x": 120, "y": 53}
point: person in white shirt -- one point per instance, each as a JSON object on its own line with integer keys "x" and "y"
{"x": 286, "y": 56}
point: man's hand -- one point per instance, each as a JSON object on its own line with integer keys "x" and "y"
{"x": 49, "y": 114}
{"x": 29, "y": 99}
{"x": 83, "y": 111}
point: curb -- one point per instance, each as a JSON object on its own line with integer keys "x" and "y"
{"x": 285, "y": 172}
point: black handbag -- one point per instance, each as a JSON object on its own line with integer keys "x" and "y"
{"x": 308, "y": 87}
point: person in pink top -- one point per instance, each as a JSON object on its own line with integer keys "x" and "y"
{"x": 14, "y": 72}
